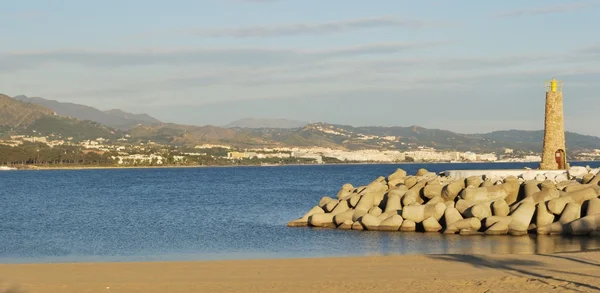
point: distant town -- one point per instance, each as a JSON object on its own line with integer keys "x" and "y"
{"x": 48, "y": 151}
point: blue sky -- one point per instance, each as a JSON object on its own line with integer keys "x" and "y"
{"x": 467, "y": 66}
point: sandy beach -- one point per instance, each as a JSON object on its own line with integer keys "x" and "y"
{"x": 571, "y": 272}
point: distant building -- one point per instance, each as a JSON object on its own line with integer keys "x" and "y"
{"x": 235, "y": 155}
{"x": 212, "y": 146}
{"x": 303, "y": 155}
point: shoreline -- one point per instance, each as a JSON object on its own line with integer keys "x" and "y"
{"x": 413, "y": 273}
{"x": 42, "y": 168}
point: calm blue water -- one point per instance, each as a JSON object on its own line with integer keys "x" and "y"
{"x": 211, "y": 213}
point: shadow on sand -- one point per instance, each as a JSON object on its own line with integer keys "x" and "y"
{"x": 527, "y": 268}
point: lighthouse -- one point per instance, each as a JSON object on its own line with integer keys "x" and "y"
{"x": 554, "y": 155}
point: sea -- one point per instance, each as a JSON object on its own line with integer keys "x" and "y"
{"x": 220, "y": 213}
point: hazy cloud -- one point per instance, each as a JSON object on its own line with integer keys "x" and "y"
{"x": 256, "y": 1}
{"x": 224, "y": 56}
{"x": 23, "y": 15}
{"x": 544, "y": 10}
{"x": 324, "y": 28}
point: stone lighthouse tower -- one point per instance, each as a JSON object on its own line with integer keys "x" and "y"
{"x": 554, "y": 156}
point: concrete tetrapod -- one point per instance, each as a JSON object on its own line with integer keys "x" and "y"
{"x": 346, "y": 225}
{"x": 375, "y": 211}
{"x": 410, "y": 181}
{"x": 341, "y": 208}
{"x": 451, "y": 215}
{"x": 497, "y": 225}
{"x": 431, "y": 225}
{"x": 521, "y": 219}
{"x": 419, "y": 213}
{"x": 530, "y": 188}
{"x": 487, "y": 183}
{"x": 366, "y": 202}
{"x": 409, "y": 198}
{"x": 384, "y": 216}
{"x": 593, "y": 207}
{"x": 433, "y": 190}
{"x": 370, "y": 222}
{"x": 585, "y": 225}
{"x": 322, "y": 220}
{"x": 354, "y": 199}
{"x": 408, "y": 226}
{"x": 417, "y": 189}
{"x": 571, "y": 213}
{"x": 564, "y": 225}
{"x": 392, "y": 223}
{"x": 398, "y": 190}
{"x": 463, "y": 205}
{"x": 547, "y": 193}
{"x": 511, "y": 186}
{"x": 314, "y": 210}
{"x": 357, "y": 226}
{"x": 358, "y": 214}
{"x": 325, "y": 200}
{"x": 346, "y": 190}
{"x": 330, "y": 206}
{"x": 451, "y": 191}
{"x": 484, "y": 194}
{"x": 435, "y": 200}
{"x": 422, "y": 172}
{"x": 543, "y": 216}
{"x": 471, "y": 224}
{"x": 557, "y": 205}
{"x": 393, "y": 203}
{"x": 500, "y": 208}
{"x": 479, "y": 211}
{"x": 342, "y": 217}
{"x": 303, "y": 222}
{"x": 399, "y": 173}
{"x": 474, "y": 181}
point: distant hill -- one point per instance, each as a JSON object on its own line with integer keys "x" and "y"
{"x": 533, "y": 140}
{"x": 356, "y": 138}
{"x": 17, "y": 117}
{"x": 408, "y": 138}
{"x": 266, "y": 123}
{"x": 27, "y": 117}
{"x": 64, "y": 127}
{"x": 117, "y": 119}
{"x": 189, "y": 135}
{"x": 17, "y": 114}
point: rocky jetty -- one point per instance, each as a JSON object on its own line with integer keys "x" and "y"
{"x": 566, "y": 203}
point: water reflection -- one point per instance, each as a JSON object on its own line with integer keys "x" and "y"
{"x": 371, "y": 243}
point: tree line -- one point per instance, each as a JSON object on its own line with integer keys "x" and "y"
{"x": 41, "y": 154}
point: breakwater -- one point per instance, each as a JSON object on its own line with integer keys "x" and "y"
{"x": 533, "y": 202}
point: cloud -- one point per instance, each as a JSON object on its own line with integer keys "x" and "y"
{"x": 322, "y": 69}
{"x": 221, "y": 56}
{"x": 24, "y": 15}
{"x": 256, "y": 1}
{"x": 325, "y": 28}
{"x": 544, "y": 10}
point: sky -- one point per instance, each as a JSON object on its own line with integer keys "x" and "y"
{"x": 470, "y": 66}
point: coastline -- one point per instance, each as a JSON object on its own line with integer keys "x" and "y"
{"x": 411, "y": 273}
{"x": 42, "y": 168}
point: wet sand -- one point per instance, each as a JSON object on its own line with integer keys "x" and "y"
{"x": 570, "y": 272}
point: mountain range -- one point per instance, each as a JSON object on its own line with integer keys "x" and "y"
{"x": 266, "y": 123}
{"x": 115, "y": 118}
{"x": 37, "y": 116}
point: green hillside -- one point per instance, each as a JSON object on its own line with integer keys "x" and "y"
{"x": 16, "y": 114}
